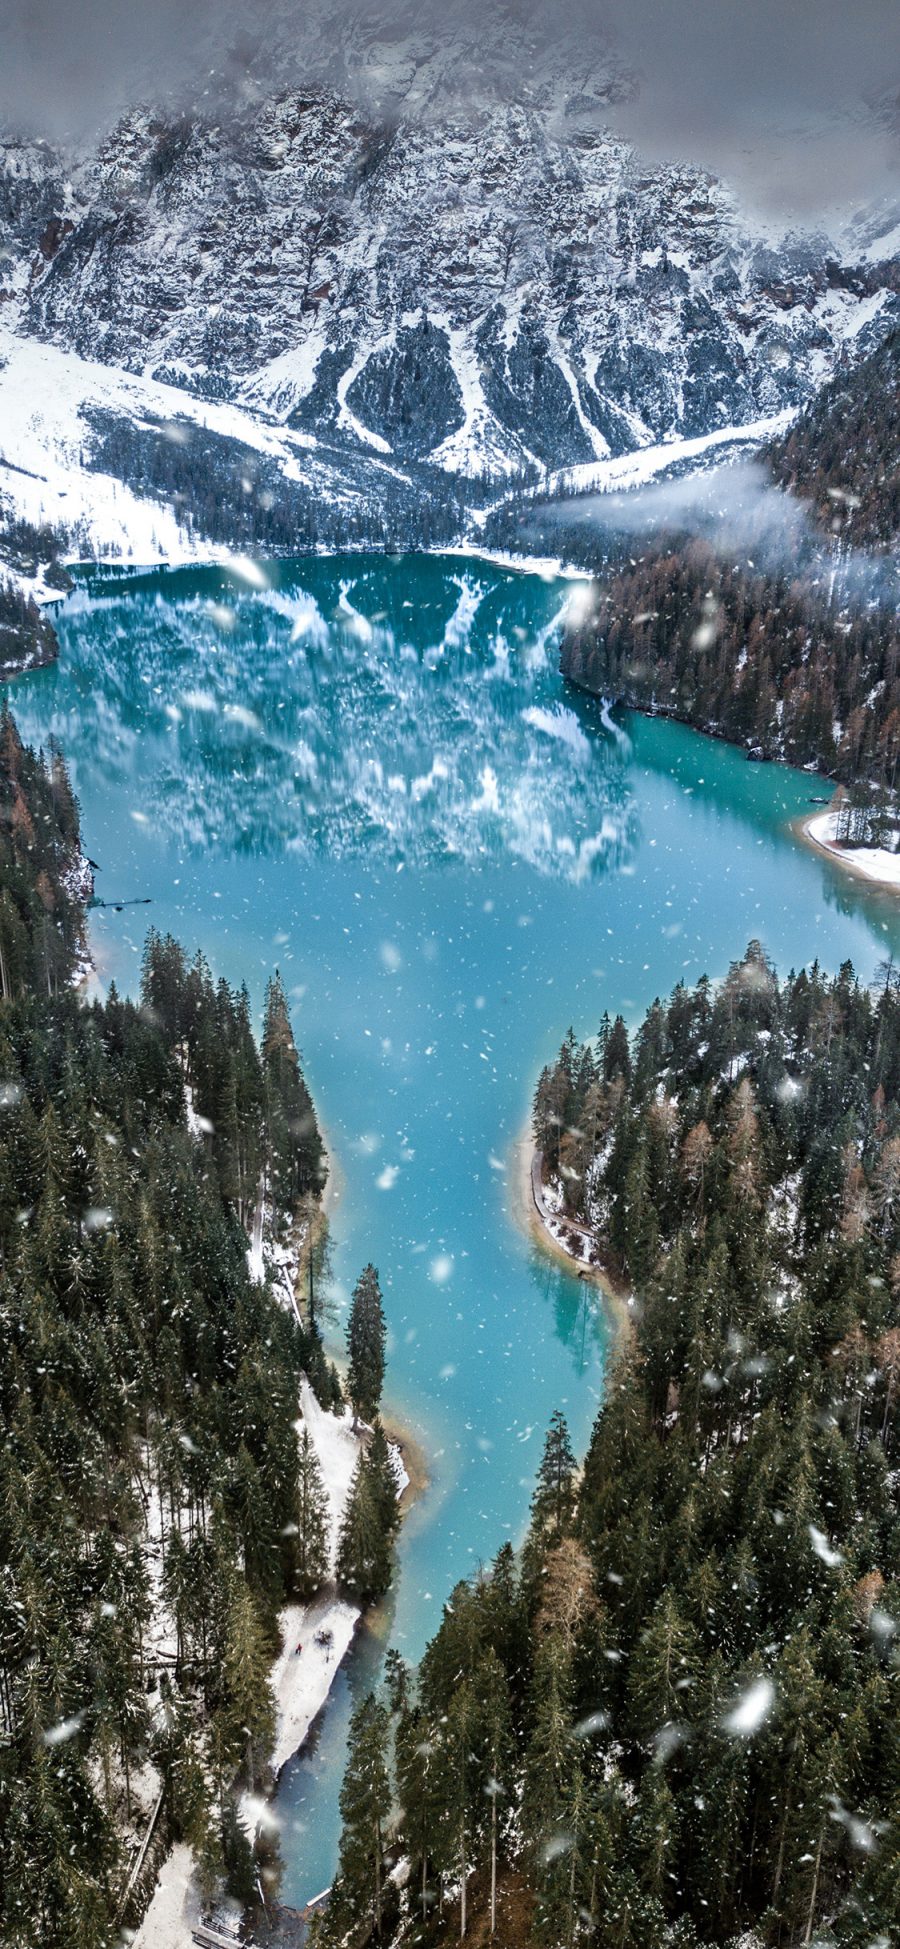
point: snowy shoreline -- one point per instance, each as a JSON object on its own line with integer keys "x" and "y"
{"x": 300, "y": 1683}
{"x": 540, "y": 1227}
{"x": 871, "y": 863}
{"x": 48, "y": 396}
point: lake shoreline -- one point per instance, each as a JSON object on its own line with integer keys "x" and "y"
{"x": 301, "y": 1688}
{"x": 436, "y": 1126}
{"x": 174, "y": 1909}
{"x": 802, "y": 830}
{"x": 525, "y": 1212}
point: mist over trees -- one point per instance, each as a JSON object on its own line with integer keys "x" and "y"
{"x": 762, "y": 659}
{"x": 797, "y": 661}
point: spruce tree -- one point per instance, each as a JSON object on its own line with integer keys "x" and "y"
{"x": 490, "y": 1691}
{"x": 422, "y": 1790}
{"x": 548, "y": 1759}
{"x": 617, "y": 1052}
{"x": 245, "y": 1719}
{"x": 365, "y": 1803}
{"x": 462, "y": 1792}
{"x": 311, "y": 1558}
{"x": 384, "y": 1480}
{"x": 366, "y": 1334}
{"x": 297, "y": 1148}
{"x": 364, "y": 1546}
{"x": 554, "y": 1495}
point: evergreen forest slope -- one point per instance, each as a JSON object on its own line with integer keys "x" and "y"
{"x": 843, "y": 453}
{"x": 673, "y": 1720}
{"x": 764, "y": 659}
{"x": 796, "y": 657}
{"x": 149, "y": 1469}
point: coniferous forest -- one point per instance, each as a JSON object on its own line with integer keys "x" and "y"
{"x": 763, "y": 659}
{"x": 150, "y": 1469}
{"x": 842, "y": 453}
{"x": 673, "y": 1720}
{"x": 797, "y": 657}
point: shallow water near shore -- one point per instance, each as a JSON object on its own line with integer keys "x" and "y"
{"x": 369, "y": 774}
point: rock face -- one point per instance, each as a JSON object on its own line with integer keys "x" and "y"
{"x": 407, "y": 392}
{"x": 496, "y": 286}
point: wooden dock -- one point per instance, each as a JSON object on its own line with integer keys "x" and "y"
{"x": 315, "y": 1906}
{"x": 217, "y": 1935}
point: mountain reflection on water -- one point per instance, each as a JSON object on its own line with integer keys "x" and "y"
{"x": 370, "y": 774}
{"x": 327, "y": 711}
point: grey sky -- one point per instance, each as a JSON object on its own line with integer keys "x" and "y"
{"x": 776, "y": 95}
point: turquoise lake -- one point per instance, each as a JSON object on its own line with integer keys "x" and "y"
{"x": 368, "y": 773}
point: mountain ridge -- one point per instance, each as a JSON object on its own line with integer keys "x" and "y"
{"x": 499, "y": 288}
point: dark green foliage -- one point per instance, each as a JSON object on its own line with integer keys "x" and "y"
{"x": 551, "y": 1504}
{"x": 366, "y": 1333}
{"x": 312, "y": 1522}
{"x": 148, "y": 1392}
{"x": 27, "y": 639}
{"x": 41, "y": 917}
{"x": 699, "y": 1658}
{"x": 295, "y": 1146}
{"x": 254, "y": 1105}
{"x": 841, "y": 455}
{"x": 685, "y": 633}
{"x": 365, "y": 1548}
{"x": 365, "y": 1807}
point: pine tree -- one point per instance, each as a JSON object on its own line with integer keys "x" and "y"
{"x": 554, "y": 1495}
{"x": 311, "y": 1559}
{"x": 548, "y": 1759}
{"x": 365, "y": 1805}
{"x": 384, "y": 1481}
{"x": 422, "y": 1789}
{"x": 663, "y": 1667}
{"x": 490, "y": 1692}
{"x": 366, "y": 1334}
{"x": 364, "y": 1559}
{"x": 617, "y": 1052}
{"x": 297, "y": 1148}
{"x": 245, "y": 1719}
{"x": 461, "y": 1791}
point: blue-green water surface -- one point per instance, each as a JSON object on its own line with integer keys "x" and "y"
{"x": 368, "y": 773}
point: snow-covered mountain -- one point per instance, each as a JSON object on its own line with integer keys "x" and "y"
{"x": 395, "y": 282}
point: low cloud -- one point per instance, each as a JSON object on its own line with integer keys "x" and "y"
{"x": 743, "y": 516}
{"x": 797, "y": 105}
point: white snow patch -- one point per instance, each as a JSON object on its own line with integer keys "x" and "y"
{"x": 175, "y": 1908}
{"x": 874, "y": 861}
{"x": 302, "y": 1681}
{"x": 635, "y": 469}
{"x": 43, "y": 437}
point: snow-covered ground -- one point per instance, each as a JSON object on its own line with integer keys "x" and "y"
{"x": 43, "y": 437}
{"x": 873, "y": 862}
{"x": 301, "y": 1681}
{"x": 638, "y": 468}
{"x": 567, "y": 1233}
{"x": 175, "y": 1908}
{"x": 48, "y": 397}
